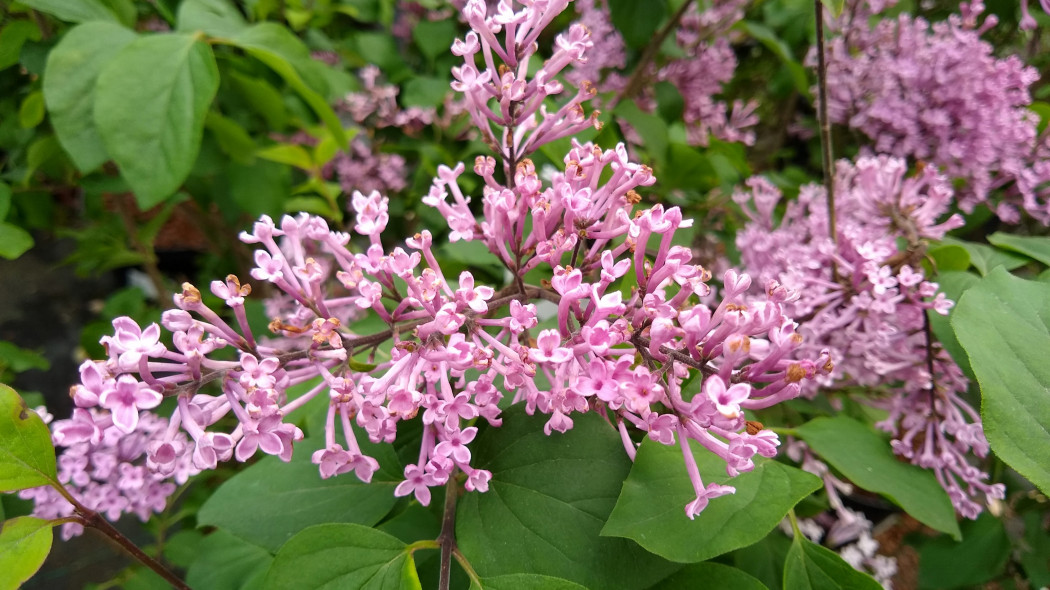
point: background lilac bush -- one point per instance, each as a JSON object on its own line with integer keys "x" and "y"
{"x": 537, "y": 288}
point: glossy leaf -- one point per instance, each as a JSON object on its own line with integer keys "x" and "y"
{"x": 27, "y": 458}
{"x": 547, "y": 501}
{"x": 245, "y": 504}
{"x": 218, "y": 18}
{"x": 225, "y": 562}
{"x": 950, "y": 257}
{"x": 714, "y": 575}
{"x": 341, "y": 556}
{"x": 74, "y": 11}
{"x": 151, "y": 101}
{"x": 651, "y": 507}
{"x": 1003, "y": 322}
{"x": 980, "y": 557}
{"x": 867, "y": 460}
{"x": 1035, "y": 247}
{"x": 24, "y": 544}
{"x": 812, "y": 567}
{"x": 72, "y": 71}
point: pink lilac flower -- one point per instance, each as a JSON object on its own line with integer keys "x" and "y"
{"x": 936, "y": 93}
{"x": 864, "y": 296}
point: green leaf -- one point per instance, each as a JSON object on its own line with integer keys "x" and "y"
{"x": 949, "y": 257}
{"x": 20, "y": 359}
{"x": 984, "y": 258}
{"x": 868, "y": 461}
{"x": 424, "y": 91}
{"x": 834, "y": 7}
{"x": 714, "y": 575}
{"x": 979, "y": 557}
{"x": 765, "y": 560}
{"x": 5, "y": 200}
{"x": 233, "y": 140}
{"x": 14, "y": 241}
{"x": 262, "y": 97}
{"x": 637, "y": 21}
{"x": 953, "y": 284}
{"x": 1003, "y": 322}
{"x": 688, "y": 169}
{"x": 245, "y": 504}
{"x": 31, "y": 113}
{"x": 434, "y": 38}
{"x": 259, "y": 188}
{"x": 812, "y": 567}
{"x": 547, "y": 501}
{"x": 27, "y": 458}
{"x": 24, "y": 544}
{"x": 283, "y": 53}
{"x": 768, "y": 38}
{"x": 74, "y": 11}
{"x": 12, "y": 37}
{"x": 651, "y": 128}
{"x": 651, "y": 507}
{"x": 150, "y": 104}
{"x": 525, "y": 582}
{"x": 218, "y": 18}
{"x": 340, "y": 556}
{"x": 72, "y": 71}
{"x": 1037, "y": 248}
{"x": 225, "y": 562}
{"x": 286, "y": 153}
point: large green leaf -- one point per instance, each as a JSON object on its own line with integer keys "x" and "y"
{"x": 27, "y": 457}
{"x": 218, "y": 18}
{"x": 1003, "y": 322}
{"x": 980, "y": 557}
{"x": 547, "y": 501}
{"x": 1036, "y": 247}
{"x": 714, "y": 575}
{"x": 651, "y": 507}
{"x": 984, "y": 257}
{"x": 24, "y": 544}
{"x": 270, "y": 501}
{"x": 72, "y": 70}
{"x": 343, "y": 557}
{"x": 953, "y": 284}
{"x": 868, "y": 461}
{"x": 150, "y": 104}
{"x": 225, "y": 562}
{"x": 812, "y": 567}
{"x": 74, "y": 11}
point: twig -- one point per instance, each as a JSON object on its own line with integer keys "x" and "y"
{"x": 825, "y": 132}
{"x": 637, "y": 79}
{"x": 447, "y": 538}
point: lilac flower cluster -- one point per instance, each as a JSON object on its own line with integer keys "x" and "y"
{"x": 706, "y": 64}
{"x": 936, "y": 93}
{"x": 865, "y": 298}
{"x": 657, "y": 360}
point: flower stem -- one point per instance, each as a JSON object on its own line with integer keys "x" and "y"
{"x": 825, "y": 130}
{"x": 447, "y": 538}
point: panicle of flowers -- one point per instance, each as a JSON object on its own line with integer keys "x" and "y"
{"x": 457, "y": 344}
{"x": 376, "y": 105}
{"x": 936, "y": 93}
{"x": 865, "y": 298}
